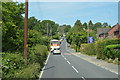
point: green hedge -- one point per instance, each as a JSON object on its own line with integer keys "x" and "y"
{"x": 109, "y": 48}
{"x": 99, "y": 47}
{"x": 88, "y": 49}
{"x": 112, "y": 51}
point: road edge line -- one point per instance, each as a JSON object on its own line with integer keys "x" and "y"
{"x": 41, "y": 73}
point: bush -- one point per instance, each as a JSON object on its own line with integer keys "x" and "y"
{"x": 112, "y": 51}
{"x": 106, "y": 48}
{"x": 31, "y": 71}
{"x": 100, "y": 49}
{"x": 88, "y": 49}
{"x": 38, "y": 54}
{"x": 10, "y": 63}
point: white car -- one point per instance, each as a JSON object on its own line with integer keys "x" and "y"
{"x": 57, "y": 50}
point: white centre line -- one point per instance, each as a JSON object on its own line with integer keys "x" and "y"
{"x": 68, "y": 62}
{"x": 64, "y": 57}
{"x": 75, "y": 69}
{"x": 83, "y": 78}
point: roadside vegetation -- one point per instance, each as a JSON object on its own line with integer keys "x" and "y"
{"x": 105, "y": 49}
{"x": 39, "y": 35}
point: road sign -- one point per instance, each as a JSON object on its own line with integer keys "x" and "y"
{"x": 90, "y": 39}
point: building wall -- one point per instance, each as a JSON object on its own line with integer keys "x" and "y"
{"x": 111, "y": 32}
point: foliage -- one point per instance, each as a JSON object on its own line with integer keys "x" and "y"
{"x": 11, "y": 33}
{"x": 31, "y": 71}
{"x": 88, "y": 49}
{"x": 112, "y": 51}
{"x": 56, "y": 37}
{"x": 10, "y": 63}
{"x": 37, "y": 54}
{"x": 103, "y": 49}
{"x": 76, "y": 39}
{"x": 33, "y": 38}
{"x": 77, "y": 27}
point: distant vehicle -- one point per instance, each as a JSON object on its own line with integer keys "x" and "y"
{"x": 57, "y": 50}
{"x": 61, "y": 40}
{"x": 64, "y": 35}
{"x": 54, "y": 44}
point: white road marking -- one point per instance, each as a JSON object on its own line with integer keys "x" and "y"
{"x": 68, "y": 62}
{"x": 44, "y": 67}
{"x": 83, "y": 78}
{"x": 75, "y": 69}
{"x": 97, "y": 65}
{"x": 63, "y": 57}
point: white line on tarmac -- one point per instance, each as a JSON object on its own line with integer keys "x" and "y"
{"x": 68, "y": 62}
{"x": 83, "y": 78}
{"x": 97, "y": 65}
{"x": 75, "y": 69}
{"x": 44, "y": 67}
{"x": 63, "y": 57}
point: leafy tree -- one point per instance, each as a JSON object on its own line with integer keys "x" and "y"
{"x": 104, "y": 24}
{"x": 67, "y": 28}
{"x": 77, "y": 27}
{"x": 11, "y": 33}
{"x": 97, "y": 25}
{"x": 90, "y": 25}
{"x": 85, "y": 25}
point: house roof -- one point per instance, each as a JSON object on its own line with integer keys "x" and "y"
{"x": 115, "y": 26}
{"x": 102, "y": 30}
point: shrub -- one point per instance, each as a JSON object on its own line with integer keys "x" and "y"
{"x": 31, "y": 71}
{"x": 10, "y": 63}
{"x": 88, "y": 49}
{"x": 112, "y": 51}
{"x": 38, "y": 54}
{"x": 105, "y": 48}
{"x": 110, "y": 60}
{"x": 100, "y": 49}
{"x": 116, "y": 61}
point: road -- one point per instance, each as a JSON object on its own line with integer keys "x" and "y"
{"x": 67, "y": 66}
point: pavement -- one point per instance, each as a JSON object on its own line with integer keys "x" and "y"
{"x": 72, "y": 66}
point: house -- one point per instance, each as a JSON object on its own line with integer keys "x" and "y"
{"x": 114, "y": 32}
{"x": 102, "y": 32}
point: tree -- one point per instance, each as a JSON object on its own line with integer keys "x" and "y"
{"x": 104, "y": 24}
{"x": 77, "y": 27}
{"x": 90, "y": 25}
{"x": 11, "y": 31}
{"x": 85, "y": 25}
{"x": 67, "y": 28}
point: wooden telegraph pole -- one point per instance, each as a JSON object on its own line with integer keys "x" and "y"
{"x": 26, "y": 31}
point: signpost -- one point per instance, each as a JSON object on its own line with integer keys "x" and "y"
{"x": 90, "y": 39}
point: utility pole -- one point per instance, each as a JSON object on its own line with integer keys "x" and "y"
{"x": 47, "y": 29}
{"x": 50, "y": 30}
{"x": 26, "y": 31}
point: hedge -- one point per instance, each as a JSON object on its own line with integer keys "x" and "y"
{"x": 88, "y": 49}
{"x": 109, "y": 48}
{"x": 112, "y": 51}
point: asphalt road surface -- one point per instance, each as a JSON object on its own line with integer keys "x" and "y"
{"x": 67, "y": 66}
